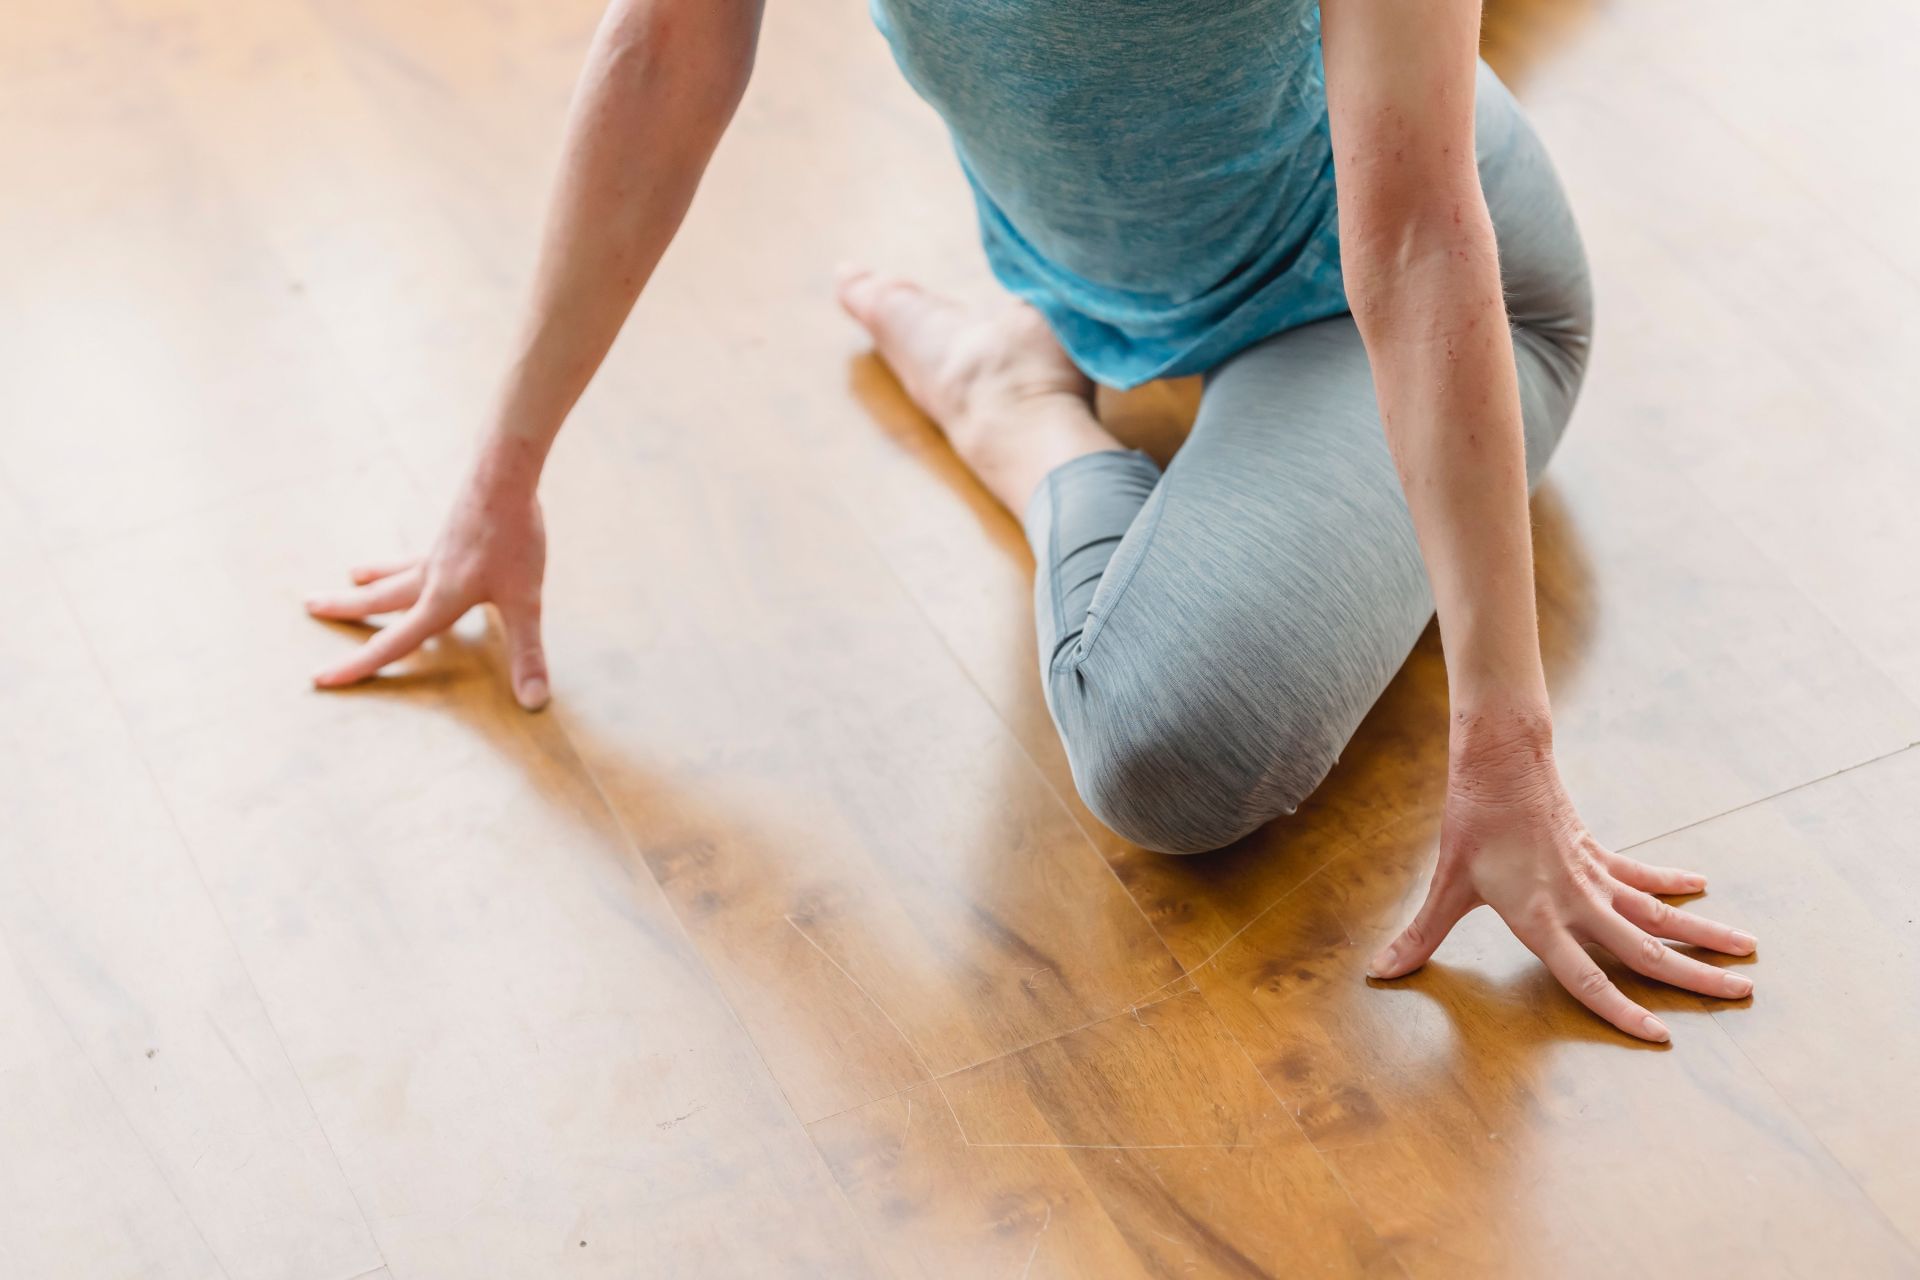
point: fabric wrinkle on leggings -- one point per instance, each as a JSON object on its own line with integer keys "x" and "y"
{"x": 1106, "y": 492}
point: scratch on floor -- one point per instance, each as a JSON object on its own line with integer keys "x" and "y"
{"x": 1215, "y": 954}
{"x": 940, "y": 1089}
{"x": 1188, "y": 1264}
{"x": 1121, "y": 1146}
{"x": 1034, "y": 1252}
{"x": 1341, "y": 925}
{"x": 1256, "y": 918}
{"x": 668, "y": 1124}
{"x": 905, "y": 1039}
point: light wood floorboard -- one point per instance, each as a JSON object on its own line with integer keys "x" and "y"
{"x": 782, "y": 945}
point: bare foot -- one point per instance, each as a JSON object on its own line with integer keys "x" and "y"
{"x": 997, "y": 382}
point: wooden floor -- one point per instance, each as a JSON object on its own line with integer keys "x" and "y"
{"x": 781, "y": 946}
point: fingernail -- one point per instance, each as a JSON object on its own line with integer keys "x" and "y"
{"x": 1695, "y": 884}
{"x": 1656, "y": 1029}
{"x": 1741, "y": 938}
{"x": 1382, "y": 962}
{"x": 533, "y": 694}
{"x": 1738, "y": 986}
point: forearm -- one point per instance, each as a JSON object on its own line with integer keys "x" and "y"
{"x": 658, "y": 89}
{"x": 1429, "y": 302}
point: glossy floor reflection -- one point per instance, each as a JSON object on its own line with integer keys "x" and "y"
{"x": 781, "y": 944}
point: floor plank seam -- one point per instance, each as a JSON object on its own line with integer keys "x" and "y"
{"x": 1784, "y": 791}
{"x": 1810, "y": 192}
{"x": 1293, "y": 1116}
{"x": 119, "y": 1108}
{"x": 1873, "y": 1204}
{"x": 1133, "y": 1007}
{"x": 629, "y": 842}
{"x": 881, "y": 1009}
{"x": 139, "y": 751}
{"x": 993, "y": 708}
{"x": 696, "y": 955}
{"x": 937, "y": 1081}
{"x": 412, "y": 479}
{"x": 226, "y": 930}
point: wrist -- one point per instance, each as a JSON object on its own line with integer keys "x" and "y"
{"x": 1509, "y": 742}
{"x": 508, "y": 465}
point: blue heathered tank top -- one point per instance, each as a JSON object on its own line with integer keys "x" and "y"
{"x": 1154, "y": 175}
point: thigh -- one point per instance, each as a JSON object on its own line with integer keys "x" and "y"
{"x": 1276, "y": 584}
{"x": 1259, "y": 603}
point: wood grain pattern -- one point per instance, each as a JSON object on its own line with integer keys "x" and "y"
{"x": 435, "y": 901}
{"x": 137, "y": 992}
{"x": 78, "y": 1183}
{"x": 1485, "y": 1123}
{"x": 1145, "y": 1143}
{"x": 1825, "y": 873}
{"x": 781, "y": 945}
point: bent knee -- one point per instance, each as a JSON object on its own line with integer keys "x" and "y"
{"x": 1192, "y": 783}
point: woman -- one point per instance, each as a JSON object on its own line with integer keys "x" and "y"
{"x": 1176, "y": 188}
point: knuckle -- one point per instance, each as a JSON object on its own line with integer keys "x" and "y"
{"x": 1588, "y": 880}
{"x": 1659, "y": 914}
{"x": 1652, "y": 950}
{"x": 1539, "y": 913}
{"x": 1599, "y": 892}
{"x": 1592, "y": 983}
{"x": 1415, "y": 934}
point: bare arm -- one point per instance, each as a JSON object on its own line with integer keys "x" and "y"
{"x": 1423, "y": 279}
{"x": 660, "y": 85}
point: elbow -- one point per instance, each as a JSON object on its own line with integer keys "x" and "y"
{"x": 1413, "y": 258}
{"x": 724, "y": 78}
{"x": 692, "y": 57}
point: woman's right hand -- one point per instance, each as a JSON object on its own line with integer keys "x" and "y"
{"x": 492, "y": 549}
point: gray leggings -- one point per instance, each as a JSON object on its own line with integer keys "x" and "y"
{"x": 1210, "y": 638}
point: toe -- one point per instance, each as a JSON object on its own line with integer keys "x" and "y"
{"x": 858, "y": 288}
{"x": 912, "y": 328}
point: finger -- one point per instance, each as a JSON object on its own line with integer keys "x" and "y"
{"x": 1663, "y": 920}
{"x": 526, "y": 658}
{"x": 383, "y": 595}
{"x": 364, "y": 573}
{"x": 1448, "y": 899}
{"x": 1588, "y": 983}
{"x": 1652, "y": 958}
{"x": 389, "y": 644}
{"x": 1653, "y": 879}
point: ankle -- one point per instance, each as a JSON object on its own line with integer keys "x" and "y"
{"x": 1012, "y": 419}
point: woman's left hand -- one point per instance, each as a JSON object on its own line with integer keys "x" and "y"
{"x": 1510, "y": 839}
